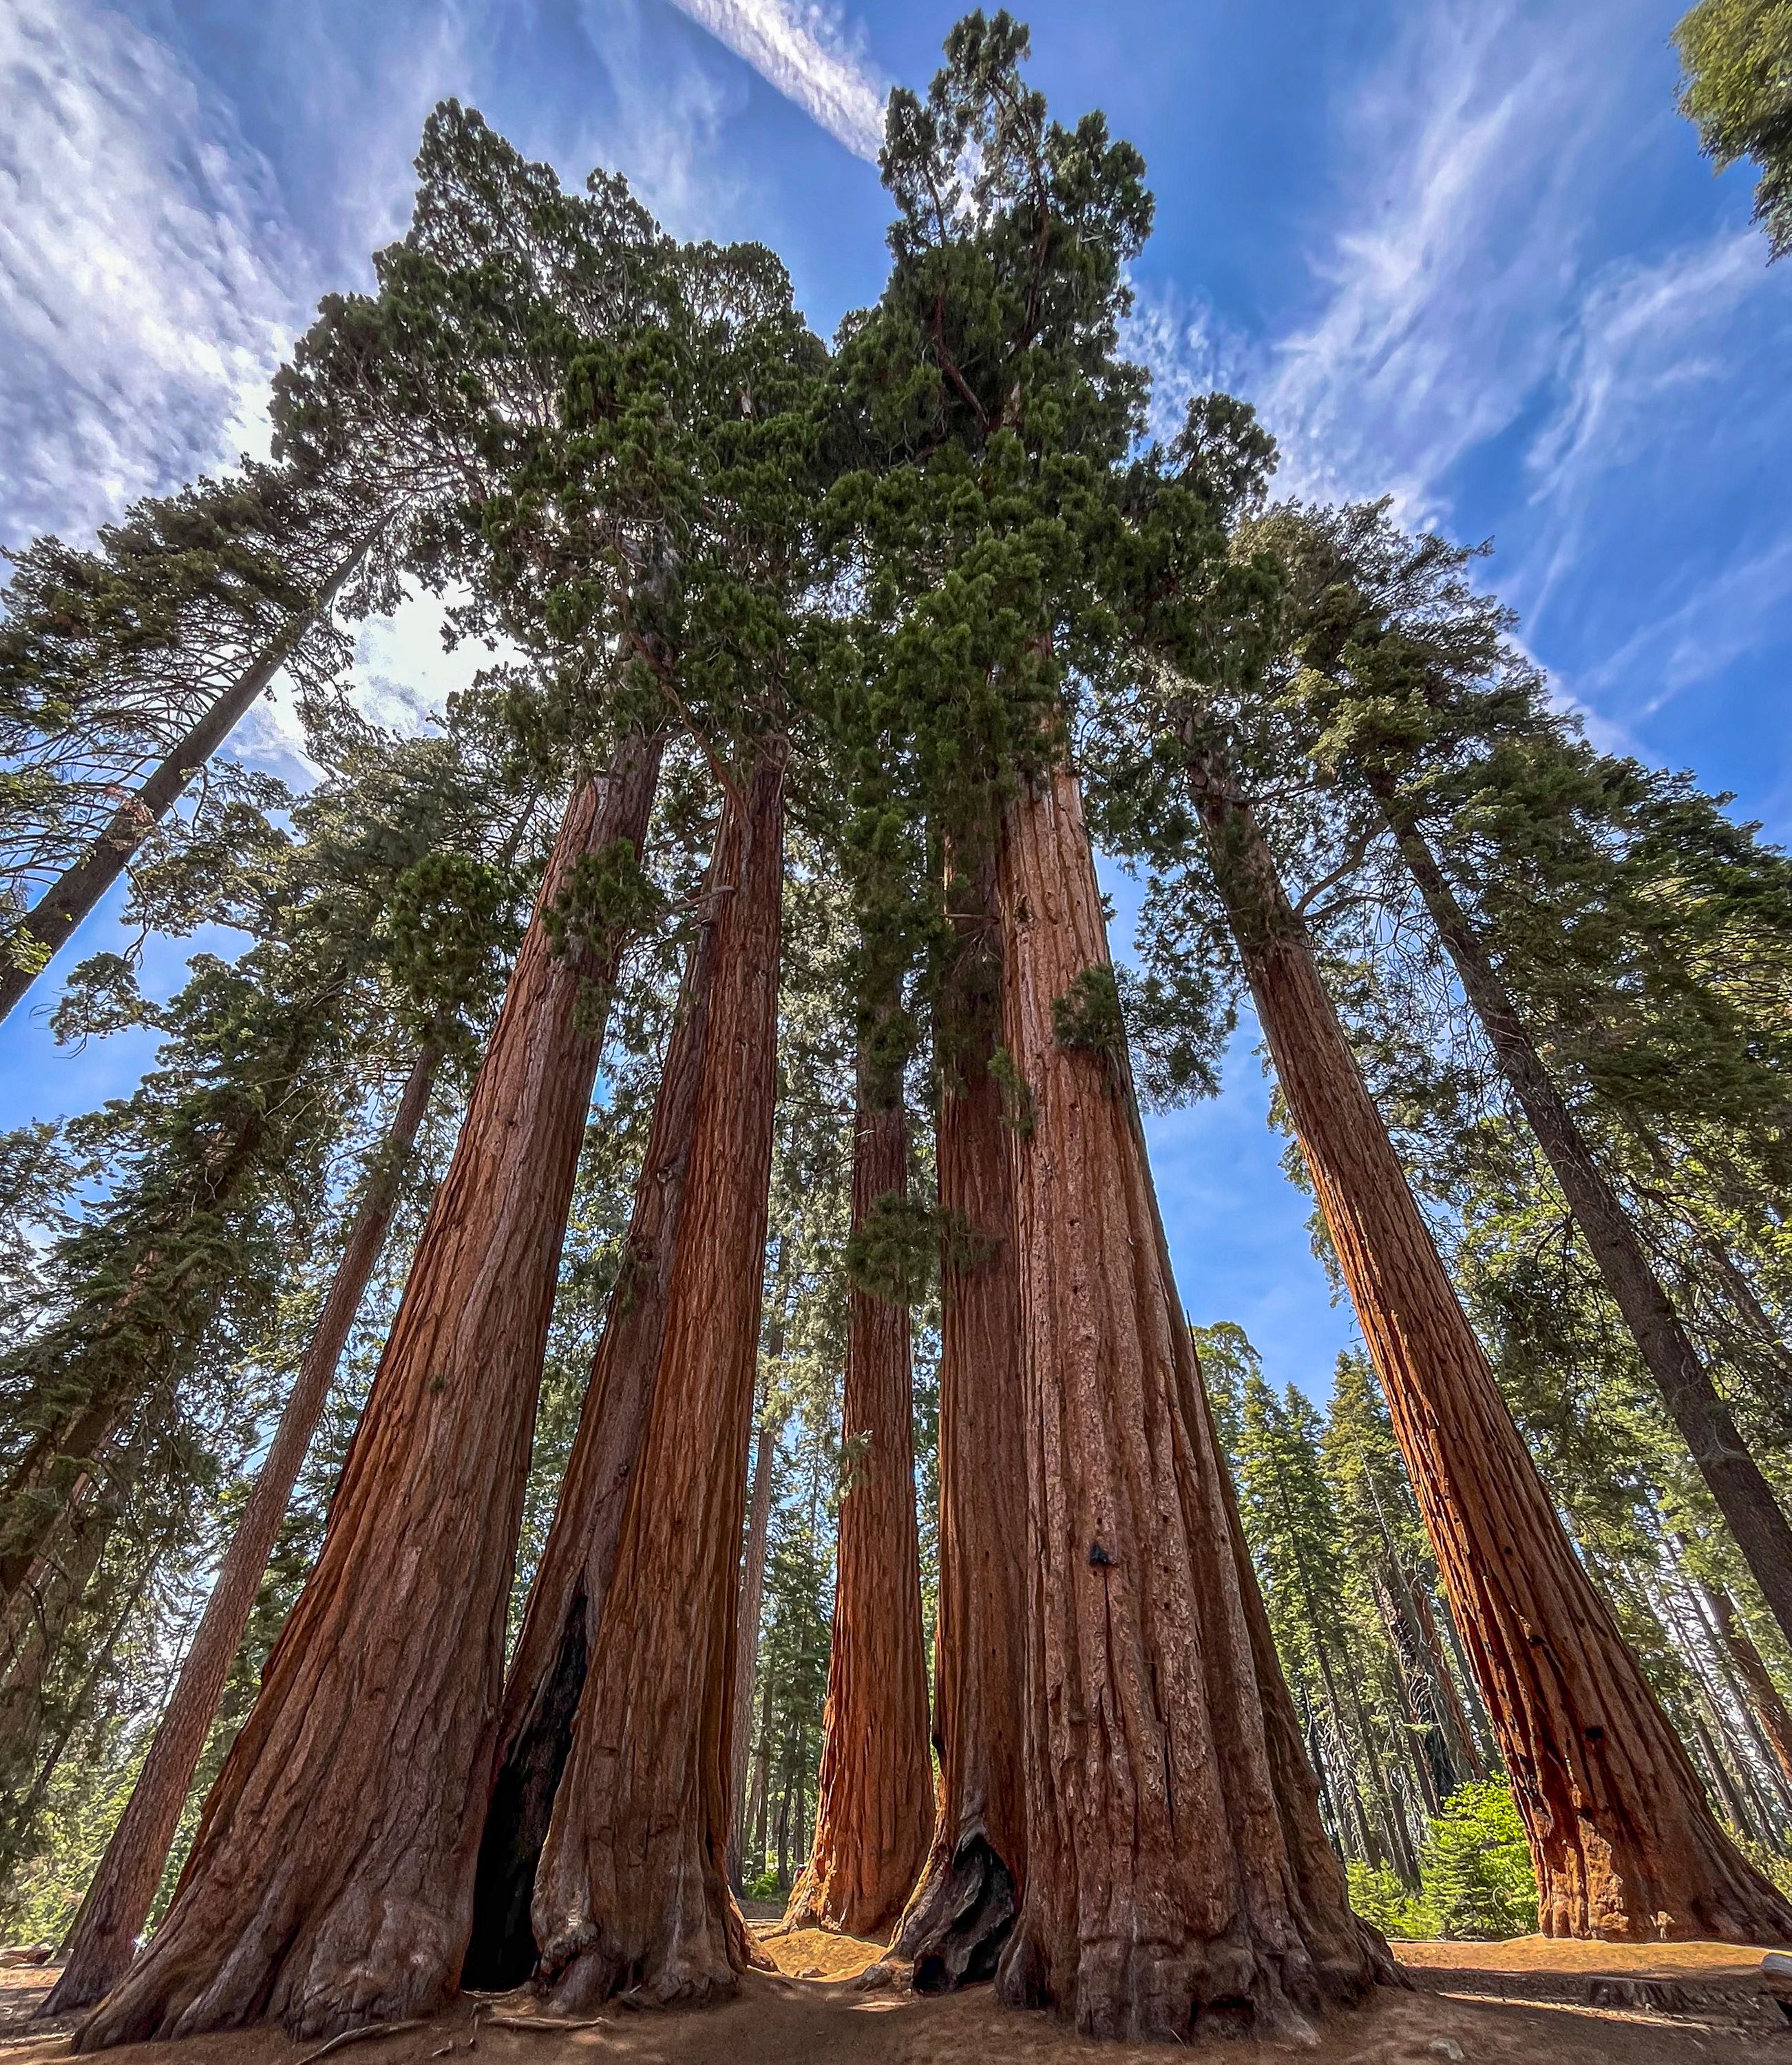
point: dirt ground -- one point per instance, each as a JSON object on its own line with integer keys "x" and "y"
{"x": 810, "y": 2012}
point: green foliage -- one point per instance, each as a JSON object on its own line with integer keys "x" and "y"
{"x": 1477, "y": 1878}
{"x": 450, "y": 917}
{"x": 1476, "y": 1883}
{"x": 1737, "y": 87}
{"x": 1086, "y": 1019}
{"x": 1377, "y": 1895}
{"x": 893, "y": 1252}
{"x": 1018, "y": 1113}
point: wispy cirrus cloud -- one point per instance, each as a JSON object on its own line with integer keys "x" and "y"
{"x": 148, "y": 278}
{"x": 800, "y": 50}
{"x": 1479, "y": 338}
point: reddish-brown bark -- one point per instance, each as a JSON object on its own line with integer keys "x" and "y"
{"x": 631, "y": 1890}
{"x": 565, "y": 1607}
{"x": 962, "y": 1911}
{"x": 874, "y": 1799}
{"x": 1177, "y": 1878}
{"x": 331, "y": 1880}
{"x": 1759, "y": 1525}
{"x": 1623, "y": 1839}
{"x": 118, "y": 1900}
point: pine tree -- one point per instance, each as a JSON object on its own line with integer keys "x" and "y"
{"x": 1001, "y": 315}
{"x": 123, "y": 670}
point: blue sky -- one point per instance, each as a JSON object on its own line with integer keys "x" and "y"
{"x": 1463, "y": 252}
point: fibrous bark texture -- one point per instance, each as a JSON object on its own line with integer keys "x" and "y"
{"x": 1624, "y": 1842}
{"x": 1704, "y": 1419}
{"x": 963, "y": 1909}
{"x": 566, "y": 1603}
{"x": 331, "y": 1880}
{"x": 874, "y": 1801}
{"x": 118, "y": 1900}
{"x": 631, "y": 1890}
{"x": 1176, "y": 1877}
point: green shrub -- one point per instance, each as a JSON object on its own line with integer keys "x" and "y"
{"x": 765, "y": 1887}
{"x": 1475, "y": 1876}
{"x": 1378, "y": 1897}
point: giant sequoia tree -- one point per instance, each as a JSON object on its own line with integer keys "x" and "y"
{"x": 960, "y": 1914}
{"x": 1415, "y": 697}
{"x": 315, "y": 1825}
{"x": 1152, "y": 1700}
{"x": 1624, "y": 1841}
{"x": 874, "y": 1811}
{"x": 871, "y": 627}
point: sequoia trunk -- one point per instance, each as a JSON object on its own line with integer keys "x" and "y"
{"x": 963, "y": 1910}
{"x": 874, "y": 1797}
{"x": 331, "y": 1880}
{"x": 631, "y": 1890}
{"x": 53, "y": 920}
{"x": 118, "y": 1900}
{"x": 1624, "y": 1842}
{"x": 1177, "y": 1878}
{"x": 1743, "y": 1495}
{"x": 566, "y": 1603}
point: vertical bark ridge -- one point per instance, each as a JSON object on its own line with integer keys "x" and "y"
{"x": 118, "y": 1900}
{"x": 1624, "y": 1841}
{"x": 566, "y": 1602}
{"x": 960, "y": 1914}
{"x": 330, "y": 1882}
{"x": 874, "y": 1802}
{"x": 631, "y": 1890}
{"x": 1177, "y": 1880}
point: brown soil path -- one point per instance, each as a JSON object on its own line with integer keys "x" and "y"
{"x": 782, "y": 2019}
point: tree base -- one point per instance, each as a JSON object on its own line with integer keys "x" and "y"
{"x": 1134, "y": 1992}
{"x": 371, "y": 1962}
{"x": 956, "y": 1927}
{"x": 582, "y": 1972}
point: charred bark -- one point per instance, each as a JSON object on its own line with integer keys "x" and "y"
{"x": 874, "y": 1799}
{"x": 963, "y": 1910}
{"x": 1623, "y": 1839}
{"x": 631, "y": 1890}
{"x": 566, "y": 1604}
{"x": 1178, "y": 1879}
{"x": 331, "y": 1880}
{"x": 117, "y": 1904}
{"x": 1762, "y": 1531}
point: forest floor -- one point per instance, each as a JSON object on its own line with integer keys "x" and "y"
{"x": 812, "y": 2011}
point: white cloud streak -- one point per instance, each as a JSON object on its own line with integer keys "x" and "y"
{"x": 148, "y": 277}
{"x": 799, "y": 51}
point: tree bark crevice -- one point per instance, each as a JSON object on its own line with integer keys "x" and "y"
{"x": 330, "y": 1882}
{"x": 631, "y": 1891}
